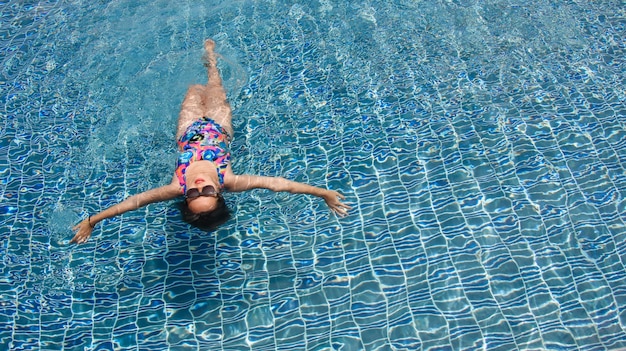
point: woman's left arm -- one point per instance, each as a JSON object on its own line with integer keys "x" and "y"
{"x": 247, "y": 182}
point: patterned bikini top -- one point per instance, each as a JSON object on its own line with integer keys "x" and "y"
{"x": 205, "y": 140}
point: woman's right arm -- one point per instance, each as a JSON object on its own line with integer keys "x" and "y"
{"x": 84, "y": 228}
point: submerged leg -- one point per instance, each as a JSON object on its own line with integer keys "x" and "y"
{"x": 214, "y": 78}
{"x": 217, "y": 106}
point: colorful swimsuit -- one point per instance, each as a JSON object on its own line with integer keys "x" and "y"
{"x": 205, "y": 140}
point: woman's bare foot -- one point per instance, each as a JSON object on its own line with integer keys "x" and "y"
{"x": 209, "y": 45}
{"x": 209, "y": 48}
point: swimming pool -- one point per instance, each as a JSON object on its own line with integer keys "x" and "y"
{"x": 482, "y": 145}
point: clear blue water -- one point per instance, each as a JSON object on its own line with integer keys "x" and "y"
{"x": 481, "y": 143}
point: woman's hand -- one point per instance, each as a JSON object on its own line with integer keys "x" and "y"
{"x": 332, "y": 200}
{"x": 83, "y": 232}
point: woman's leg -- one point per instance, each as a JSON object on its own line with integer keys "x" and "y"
{"x": 206, "y": 100}
{"x": 191, "y": 109}
{"x": 216, "y": 105}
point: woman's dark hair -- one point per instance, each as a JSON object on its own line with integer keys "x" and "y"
{"x": 206, "y": 220}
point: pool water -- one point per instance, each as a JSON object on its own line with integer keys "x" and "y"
{"x": 482, "y": 145}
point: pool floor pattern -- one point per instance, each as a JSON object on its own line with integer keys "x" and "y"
{"x": 482, "y": 146}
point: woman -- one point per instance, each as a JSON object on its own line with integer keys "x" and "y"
{"x": 203, "y": 168}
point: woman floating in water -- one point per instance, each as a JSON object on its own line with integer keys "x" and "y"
{"x": 203, "y": 168}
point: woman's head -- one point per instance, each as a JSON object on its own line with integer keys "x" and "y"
{"x": 210, "y": 219}
{"x": 204, "y": 207}
{"x": 202, "y": 199}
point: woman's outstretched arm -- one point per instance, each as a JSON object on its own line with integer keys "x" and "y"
{"x": 277, "y": 184}
{"x": 84, "y": 228}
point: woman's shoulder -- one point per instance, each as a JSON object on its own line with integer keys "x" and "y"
{"x": 235, "y": 182}
{"x": 229, "y": 176}
{"x": 174, "y": 187}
